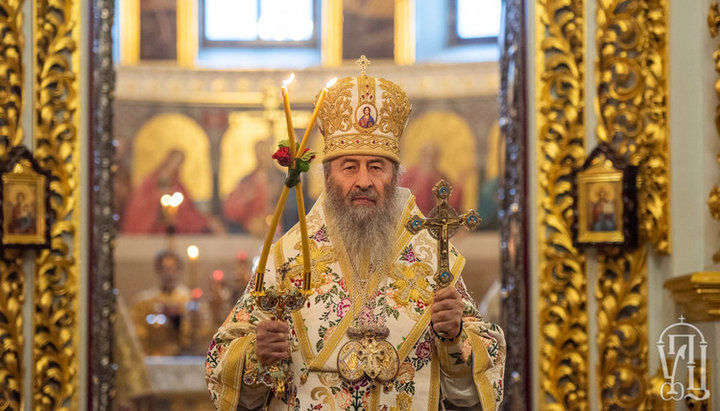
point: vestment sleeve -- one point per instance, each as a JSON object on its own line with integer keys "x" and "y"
{"x": 473, "y": 366}
{"x": 232, "y": 353}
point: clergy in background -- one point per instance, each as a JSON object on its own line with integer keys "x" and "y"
{"x": 372, "y": 281}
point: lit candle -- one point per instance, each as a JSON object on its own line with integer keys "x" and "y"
{"x": 260, "y": 272}
{"x": 318, "y": 104}
{"x": 307, "y": 283}
{"x": 288, "y": 114}
{"x": 193, "y": 254}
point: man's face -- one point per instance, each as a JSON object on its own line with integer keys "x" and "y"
{"x": 362, "y": 180}
{"x": 169, "y": 272}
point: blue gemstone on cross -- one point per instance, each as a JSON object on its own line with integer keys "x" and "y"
{"x": 445, "y": 276}
{"x": 416, "y": 223}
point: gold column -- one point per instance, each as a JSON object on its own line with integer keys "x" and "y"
{"x": 563, "y": 284}
{"x": 129, "y": 21}
{"x": 56, "y": 31}
{"x": 405, "y": 31}
{"x": 12, "y": 277}
{"x": 331, "y": 32}
{"x": 631, "y": 76}
{"x": 187, "y": 32}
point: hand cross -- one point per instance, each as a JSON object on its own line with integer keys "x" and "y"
{"x": 442, "y": 223}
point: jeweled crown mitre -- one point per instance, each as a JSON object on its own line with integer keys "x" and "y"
{"x": 363, "y": 115}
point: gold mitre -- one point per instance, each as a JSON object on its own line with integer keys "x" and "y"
{"x": 363, "y": 115}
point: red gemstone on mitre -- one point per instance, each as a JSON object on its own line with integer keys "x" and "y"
{"x": 357, "y": 141}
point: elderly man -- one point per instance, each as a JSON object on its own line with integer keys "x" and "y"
{"x": 377, "y": 333}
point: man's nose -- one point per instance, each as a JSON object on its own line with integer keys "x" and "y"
{"x": 363, "y": 179}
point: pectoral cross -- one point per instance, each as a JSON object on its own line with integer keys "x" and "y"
{"x": 442, "y": 223}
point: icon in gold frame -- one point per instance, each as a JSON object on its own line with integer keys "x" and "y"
{"x": 25, "y": 188}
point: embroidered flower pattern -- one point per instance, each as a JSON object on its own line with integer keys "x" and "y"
{"x": 408, "y": 254}
{"x": 342, "y": 307}
{"x": 423, "y": 350}
{"x": 320, "y": 235}
{"x": 410, "y": 283}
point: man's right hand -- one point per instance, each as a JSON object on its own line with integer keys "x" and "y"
{"x": 272, "y": 341}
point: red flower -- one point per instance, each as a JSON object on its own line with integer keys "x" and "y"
{"x": 423, "y": 350}
{"x": 282, "y": 155}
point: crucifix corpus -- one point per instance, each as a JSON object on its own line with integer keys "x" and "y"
{"x": 442, "y": 223}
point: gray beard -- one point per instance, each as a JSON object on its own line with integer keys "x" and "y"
{"x": 364, "y": 230}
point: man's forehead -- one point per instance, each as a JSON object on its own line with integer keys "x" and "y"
{"x": 362, "y": 157}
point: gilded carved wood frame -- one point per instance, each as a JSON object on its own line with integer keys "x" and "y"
{"x": 512, "y": 194}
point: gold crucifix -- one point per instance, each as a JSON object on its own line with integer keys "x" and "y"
{"x": 442, "y": 223}
{"x": 363, "y": 62}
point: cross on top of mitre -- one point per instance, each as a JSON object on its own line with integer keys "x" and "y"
{"x": 363, "y": 62}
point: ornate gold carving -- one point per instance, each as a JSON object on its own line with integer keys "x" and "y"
{"x": 11, "y": 73}
{"x": 655, "y": 400}
{"x": 12, "y": 277}
{"x": 563, "y": 300}
{"x": 622, "y": 330}
{"x": 713, "y": 21}
{"x": 632, "y": 110}
{"x": 12, "y": 298}
{"x": 698, "y": 294}
{"x": 632, "y": 96}
{"x": 56, "y": 34}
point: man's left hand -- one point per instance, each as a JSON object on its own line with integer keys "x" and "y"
{"x": 446, "y": 312}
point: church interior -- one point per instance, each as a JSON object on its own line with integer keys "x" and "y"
{"x": 138, "y": 186}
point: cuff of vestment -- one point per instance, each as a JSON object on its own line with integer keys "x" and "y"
{"x": 455, "y": 356}
{"x": 238, "y": 359}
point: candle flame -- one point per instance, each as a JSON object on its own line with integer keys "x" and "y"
{"x": 193, "y": 252}
{"x": 289, "y": 80}
{"x": 165, "y": 200}
{"x": 331, "y": 82}
{"x": 176, "y": 199}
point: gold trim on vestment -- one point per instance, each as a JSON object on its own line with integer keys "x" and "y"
{"x": 480, "y": 365}
{"x": 232, "y": 372}
{"x": 424, "y": 320}
{"x": 434, "y": 393}
{"x": 375, "y": 396}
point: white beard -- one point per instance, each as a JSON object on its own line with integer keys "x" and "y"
{"x": 364, "y": 230}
